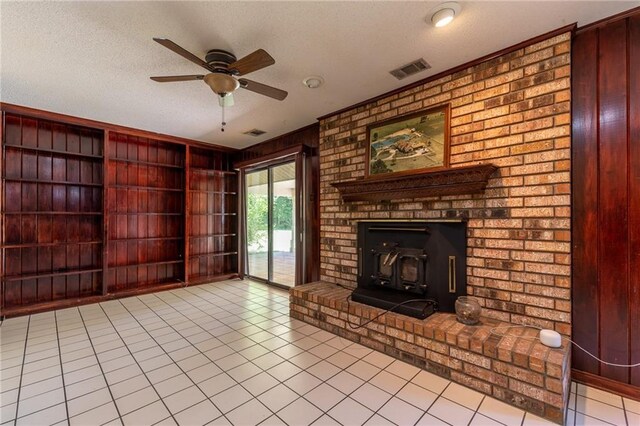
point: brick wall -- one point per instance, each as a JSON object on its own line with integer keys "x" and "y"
{"x": 512, "y": 111}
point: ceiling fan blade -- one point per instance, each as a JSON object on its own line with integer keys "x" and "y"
{"x": 182, "y": 52}
{"x": 262, "y": 89}
{"x": 252, "y": 62}
{"x": 170, "y": 78}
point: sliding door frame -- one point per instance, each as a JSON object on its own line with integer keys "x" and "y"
{"x": 296, "y": 155}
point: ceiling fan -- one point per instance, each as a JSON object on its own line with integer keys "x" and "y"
{"x": 223, "y": 68}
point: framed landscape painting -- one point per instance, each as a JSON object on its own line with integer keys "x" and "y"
{"x": 409, "y": 144}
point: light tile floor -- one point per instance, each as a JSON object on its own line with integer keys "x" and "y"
{"x": 228, "y": 353}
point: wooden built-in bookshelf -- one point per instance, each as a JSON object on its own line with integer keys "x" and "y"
{"x": 146, "y": 212}
{"x": 90, "y": 213}
{"x": 52, "y": 212}
{"x": 212, "y": 216}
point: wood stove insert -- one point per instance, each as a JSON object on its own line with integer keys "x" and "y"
{"x": 413, "y": 268}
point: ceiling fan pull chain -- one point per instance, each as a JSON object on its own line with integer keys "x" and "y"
{"x": 223, "y": 123}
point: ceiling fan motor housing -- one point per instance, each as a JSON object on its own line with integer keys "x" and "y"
{"x": 219, "y": 59}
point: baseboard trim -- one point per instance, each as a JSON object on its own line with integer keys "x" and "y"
{"x": 623, "y": 389}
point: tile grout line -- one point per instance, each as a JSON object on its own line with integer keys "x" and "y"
{"x": 476, "y": 413}
{"x": 261, "y": 308}
{"x": 100, "y": 305}
{"x": 64, "y": 388}
{"x": 99, "y": 366}
{"x": 24, "y": 356}
{"x": 409, "y": 381}
{"x": 325, "y": 412}
{"x": 167, "y": 354}
{"x": 43, "y": 380}
{"x": 624, "y": 409}
{"x": 250, "y": 361}
{"x": 202, "y": 353}
{"x": 258, "y": 344}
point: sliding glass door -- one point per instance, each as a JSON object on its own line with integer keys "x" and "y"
{"x": 270, "y": 223}
{"x": 257, "y": 223}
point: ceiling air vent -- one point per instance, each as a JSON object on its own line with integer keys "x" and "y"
{"x": 410, "y": 69}
{"x": 255, "y": 132}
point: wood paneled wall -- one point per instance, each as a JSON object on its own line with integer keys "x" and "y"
{"x": 96, "y": 211}
{"x": 606, "y": 201}
{"x": 308, "y": 135}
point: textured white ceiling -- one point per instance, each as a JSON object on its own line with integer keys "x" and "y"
{"x": 94, "y": 59}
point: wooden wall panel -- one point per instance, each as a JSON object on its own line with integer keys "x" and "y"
{"x": 606, "y": 201}
{"x": 308, "y": 136}
{"x": 585, "y": 171}
{"x": 612, "y": 206}
{"x": 634, "y": 196}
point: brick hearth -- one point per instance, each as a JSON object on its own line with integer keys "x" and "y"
{"x": 517, "y": 370}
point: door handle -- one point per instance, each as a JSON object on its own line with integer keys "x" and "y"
{"x": 452, "y": 274}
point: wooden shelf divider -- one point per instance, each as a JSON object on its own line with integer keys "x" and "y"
{"x": 147, "y": 163}
{"x": 54, "y": 151}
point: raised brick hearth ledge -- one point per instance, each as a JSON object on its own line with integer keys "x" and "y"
{"x": 516, "y": 370}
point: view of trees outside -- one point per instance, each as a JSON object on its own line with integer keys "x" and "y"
{"x": 258, "y": 218}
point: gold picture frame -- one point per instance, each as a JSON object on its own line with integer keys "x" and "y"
{"x": 409, "y": 144}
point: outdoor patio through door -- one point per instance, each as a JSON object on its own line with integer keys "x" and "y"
{"x": 270, "y": 224}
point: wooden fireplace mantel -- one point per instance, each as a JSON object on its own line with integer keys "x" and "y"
{"x": 449, "y": 181}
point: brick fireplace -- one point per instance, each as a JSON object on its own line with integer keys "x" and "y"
{"x": 512, "y": 111}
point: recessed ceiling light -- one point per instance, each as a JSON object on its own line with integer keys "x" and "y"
{"x": 313, "y": 82}
{"x": 443, "y": 14}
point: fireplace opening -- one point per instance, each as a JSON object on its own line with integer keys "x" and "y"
{"x": 413, "y": 268}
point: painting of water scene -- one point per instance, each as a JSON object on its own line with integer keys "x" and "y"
{"x": 410, "y": 144}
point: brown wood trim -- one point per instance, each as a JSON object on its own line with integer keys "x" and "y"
{"x": 105, "y": 213}
{"x": 608, "y": 20}
{"x": 450, "y": 181}
{"x": 213, "y": 279}
{"x": 187, "y": 211}
{"x": 556, "y": 32}
{"x": 2, "y": 236}
{"x": 299, "y": 219}
{"x": 271, "y": 158}
{"x": 78, "y": 121}
{"x": 624, "y": 389}
{"x": 634, "y": 188}
{"x": 241, "y": 225}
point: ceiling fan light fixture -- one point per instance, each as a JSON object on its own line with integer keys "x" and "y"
{"x": 221, "y": 83}
{"x": 444, "y": 13}
{"x": 226, "y": 100}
